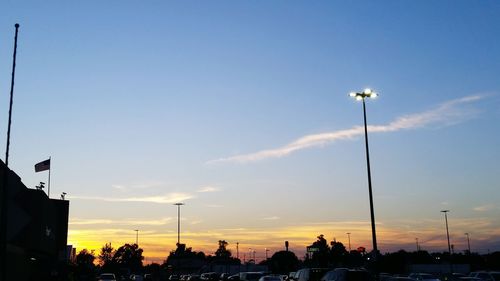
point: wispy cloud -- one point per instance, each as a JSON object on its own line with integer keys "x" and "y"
{"x": 484, "y": 208}
{"x": 273, "y": 218}
{"x": 160, "y": 199}
{"x": 448, "y": 113}
{"x": 82, "y": 221}
{"x": 138, "y": 185}
{"x": 214, "y": 206}
{"x": 209, "y": 189}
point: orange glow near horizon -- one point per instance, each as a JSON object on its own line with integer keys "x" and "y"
{"x": 157, "y": 245}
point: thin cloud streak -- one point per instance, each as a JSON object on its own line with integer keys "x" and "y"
{"x": 208, "y": 189}
{"x": 140, "y": 185}
{"x": 484, "y": 208}
{"x": 448, "y": 113}
{"x": 165, "y": 199}
{"x": 273, "y": 218}
{"x": 80, "y": 221}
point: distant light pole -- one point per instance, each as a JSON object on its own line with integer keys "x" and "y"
{"x": 238, "y": 250}
{"x": 137, "y": 237}
{"x": 468, "y": 241}
{"x": 178, "y": 223}
{"x": 349, "y": 239}
{"x": 267, "y": 250}
{"x": 447, "y": 232}
{"x": 368, "y": 93}
{"x": 418, "y": 246}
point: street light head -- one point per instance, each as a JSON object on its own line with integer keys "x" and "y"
{"x": 373, "y": 95}
{"x": 445, "y": 211}
{"x": 352, "y": 94}
{"x": 179, "y": 204}
{"x": 367, "y": 91}
{"x": 359, "y": 97}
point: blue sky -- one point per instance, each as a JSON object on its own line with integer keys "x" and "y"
{"x": 142, "y": 104}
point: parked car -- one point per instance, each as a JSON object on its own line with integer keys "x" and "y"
{"x": 271, "y": 278}
{"x": 235, "y": 277}
{"x": 486, "y": 275}
{"x": 193, "y": 277}
{"x": 468, "y": 278}
{"x": 107, "y": 277}
{"x": 310, "y": 274}
{"x": 136, "y": 277}
{"x": 423, "y": 277}
{"x": 148, "y": 277}
{"x": 210, "y": 276}
{"x": 399, "y": 278}
{"x": 345, "y": 274}
{"x": 250, "y": 276}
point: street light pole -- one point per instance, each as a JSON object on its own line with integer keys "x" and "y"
{"x": 447, "y": 232}
{"x": 349, "y": 239}
{"x": 368, "y": 93}
{"x": 178, "y": 223}
{"x": 137, "y": 237}
{"x": 468, "y": 241}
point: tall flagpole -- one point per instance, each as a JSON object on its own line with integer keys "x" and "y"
{"x": 50, "y": 166}
{"x": 11, "y": 96}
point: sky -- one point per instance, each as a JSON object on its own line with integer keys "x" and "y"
{"x": 240, "y": 110}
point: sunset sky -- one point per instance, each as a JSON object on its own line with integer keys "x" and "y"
{"x": 240, "y": 110}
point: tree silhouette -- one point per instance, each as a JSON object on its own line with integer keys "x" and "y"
{"x": 184, "y": 259}
{"x": 84, "y": 264}
{"x": 129, "y": 256}
{"x": 222, "y": 252}
{"x": 106, "y": 255}
{"x": 338, "y": 253}
{"x": 283, "y": 262}
{"x": 320, "y": 252}
{"x": 85, "y": 258}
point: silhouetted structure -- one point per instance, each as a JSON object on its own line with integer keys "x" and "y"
{"x": 36, "y": 230}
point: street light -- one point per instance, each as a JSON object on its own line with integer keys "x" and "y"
{"x": 468, "y": 241}
{"x": 178, "y": 222}
{"x": 368, "y": 93}
{"x": 349, "y": 239}
{"x": 447, "y": 232}
{"x": 137, "y": 237}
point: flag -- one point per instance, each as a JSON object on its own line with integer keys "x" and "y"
{"x": 42, "y": 166}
